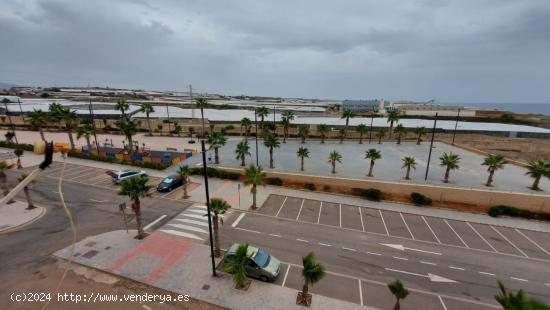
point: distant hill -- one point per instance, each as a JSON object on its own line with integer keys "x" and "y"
{"x": 6, "y": 85}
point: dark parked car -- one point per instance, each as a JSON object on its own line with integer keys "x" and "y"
{"x": 169, "y": 183}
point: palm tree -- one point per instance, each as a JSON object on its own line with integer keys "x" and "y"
{"x": 302, "y": 153}
{"x": 38, "y": 120}
{"x": 399, "y": 291}
{"x": 538, "y": 169}
{"x": 128, "y": 127}
{"x": 419, "y": 131}
{"x": 85, "y": 131}
{"x": 518, "y": 301}
{"x": 122, "y": 106}
{"x": 254, "y": 176}
{"x": 271, "y": 141}
{"x": 408, "y": 162}
{"x": 201, "y": 104}
{"x": 18, "y": 152}
{"x": 312, "y": 272}
{"x": 3, "y": 179}
{"x": 184, "y": 173}
{"x": 323, "y": 129}
{"x": 216, "y": 140}
{"x": 147, "y": 108}
{"x": 217, "y": 207}
{"x": 246, "y": 123}
{"x": 286, "y": 118}
{"x": 56, "y": 111}
{"x": 373, "y": 155}
{"x": 380, "y": 134}
{"x": 334, "y": 157}
{"x": 242, "y": 150}
{"x": 450, "y": 161}
{"x": 342, "y": 134}
{"x": 263, "y": 112}
{"x": 400, "y": 131}
{"x": 237, "y": 265}
{"x": 362, "y": 129}
{"x": 393, "y": 116}
{"x": 136, "y": 188}
{"x": 493, "y": 163}
{"x": 70, "y": 119}
{"x": 9, "y": 136}
{"x": 303, "y": 132}
{"x": 30, "y": 205}
{"x": 191, "y": 131}
{"x": 347, "y": 114}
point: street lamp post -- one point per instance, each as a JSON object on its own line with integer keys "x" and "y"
{"x": 370, "y": 131}
{"x": 456, "y": 125}
{"x": 208, "y": 207}
{"x": 431, "y": 146}
{"x": 256, "y": 121}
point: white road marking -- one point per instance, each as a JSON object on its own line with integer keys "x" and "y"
{"x": 200, "y": 207}
{"x": 519, "y": 279}
{"x": 503, "y": 236}
{"x": 282, "y": 205}
{"x": 360, "y": 293}
{"x": 384, "y": 222}
{"x": 451, "y": 227}
{"x": 187, "y": 227}
{"x": 400, "y": 258}
{"x": 486, "y": 273}
{"x": 286, "y": 275}
{"x": 300, "y": 211}
{"x": 179, "y": 233}
{"x": 374, "y": 253}
{"x": 406, "y": 225}
{"x": 154, "y": 222}
{"x": 361, "y": 217}
{"x": 403, "y": 248}
{"x": 482, "y": 238}
{"x": 238, "y": 220}
{"x": 428, "y": 263}
{"x": 432, "y": 277}
{"x": 274, "y": 235}
{"x": 200, "y": 217}
{"x": 203, "y": 212}
{"x": 431, "y": 229}
{"x": 349, "y": 249}
{"x": 204, "y": 224}
{"x": 340, "y": 205}
{"x": 249, "y": 230}
{"x": 442, "y": 303}
{"x": 324, "y": 244}
{"x": 302, "y": 240}
{"x": 456, "y": 268}
{"x": 533, "y": 242}
{"x": 320, "y": 209}
{"x": 99, "y": 201}
{"x": 547, "y": 284}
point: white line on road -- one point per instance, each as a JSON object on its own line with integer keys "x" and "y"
{"x": 100, "y": 201}
{"x": 282, "y": 205}
{"x": 428, "y": 263}
{"x": 486, "y": 273}
{"x": 349, "y": 249}
{"x": 406, "y": 225}
{"x": 547, "y": 284}
{"x": 302, "y": 240}
{"x": 431, "y": 229}
{"x": 503, "y": 236}
{"x": 533, "y": 242}
{"x": 204, "y": 224}
{"x": 360, "y": 293}
{"x": 249, "y": 230}
{"x": 286, "y": 274}
{"x": 324, "y": 244}
{"x": 238, "y": 220}
{"x": 340, "y": 205}
{"x": 274, "y": 235}
{"x": 384, "y": 222}
{"x": 442, "y": 303}
{"x": 374, "y": 253}
{"x": 301, "y": 206}
{"x": 320, "y": 209}
{"x": 154, "y": 222}
{"x": 482, "y": 238}
{"x": 400, "y": 258}
{"x": 451, "y": 227}
{"x": 519, "y": 279}
{"x": 361, "y": 217}
{"x": 456, "y": 268}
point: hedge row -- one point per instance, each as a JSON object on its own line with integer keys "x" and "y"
{"x": 113, "y": 160}
{"x": 274, "y": 181}
{"x": 420, "y": 199}
{"x": 500, "y": 210}
{"x": 216, "y": 173}
{"x": 370, "y": 193}
{"x": 13, "y": 145}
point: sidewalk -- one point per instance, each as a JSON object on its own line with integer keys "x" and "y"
{"x": 16, "y": 215}
{"x": 183, "y": 267}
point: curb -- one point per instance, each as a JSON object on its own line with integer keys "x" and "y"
{"x": 14, "y": 228}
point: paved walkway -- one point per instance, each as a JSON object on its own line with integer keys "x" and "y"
{"x": 16, "y": 215}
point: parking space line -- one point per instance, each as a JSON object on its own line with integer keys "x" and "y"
{"x": 361, "y": 217}
{"x": 282, "y": 205}
{"x": 456, "y": 268}
{"x": 302, "y": 240}
{"x": 340, "y": 206}
{"x": 324, "y": 244}
{"x": 503, "y": 236}
{"x": 384, "y": 222}
{"x": 360, "y": 293}
{"x": 300, "y": 211}
{"x": 373, "y": 253}
{"x": 320, "y": 209}
{"x": 286, "y": 275}
{"x": 486, "y": 273}
{"x": 436, "y": 238}
{"x": 238, "y": 220}
{"x": 442, "y": 303}
{"x": 349, "y": 249}
{"x": 451, "y": 227}
{"x": 249, "y": 230}
{"x": 533, "y": 242}
{"x": 547, "y": 284}
{"x": 519, "y": 279}
{"x": 275, "y": 235}
{"x": 482, "y": 238}
{"x": 407, "y": 225}
{"x": 154, "y": 222}
{"x": 400, "y": 258}
{"x": 428, "y": 263}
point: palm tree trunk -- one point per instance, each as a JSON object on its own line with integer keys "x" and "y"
{"x": 361, "y": 138}
{"x": 371, "y": 167}
{"x": 305, "y": 292}
{"x": 70, "y": 133}
{"x": 89, "y": 144}
{"x": 408, "y": 172}
{"x": 379, "y": 140}
{"x": 333, "y": 167}
{"x": 302, "y": 165}
{"x": 246, "y": 135}
{"x": 254, "y": 197}
{"x": 285, "y": 132}
{"x": 322, "y": 138}
{"x": 490, "y": 179}
{"x": 149, "y": 125}
{"x": 217, "y": 252}
{"x": 130, "y": 144}
{"x": 216, "y": 156}
{"x": 30, "y": 205}
{"x": 137, "y": 210}
{"x": 19, "y": 166}
{"x": 399, "y": 139}
{"x": 271, "y": 157}
{"x": 536, "y": 183}
{"x": 303, "y": 139}
{"x": 447, "y": 171}
{"x": 391, "y": 129}
{"x": 185, "y": 189}
{"x": 397, "y": 305}
{"x": 242, "y": 161}
{"x": 418, "y": 140}
{"x": 341, "y": 139}
{"x": 42, "y": 134}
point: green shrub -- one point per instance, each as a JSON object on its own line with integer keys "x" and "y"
{"x": 420, "y": 199}
{"x": 274, "y": 181}
{"x": 13, "y": 145}
{"x": 369, "y": 193}
{"x": 326, "y": 188}
{"x": 500, "y": 210}
{"x": 310, "y": 186}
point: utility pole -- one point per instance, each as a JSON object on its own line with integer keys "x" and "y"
{"x": 431, "y": 146}
{"x": 256, "y": 121}
{"x": 370, "y": 131}
{"x": 208, "y": 207}
{"x": 456, "y": 125}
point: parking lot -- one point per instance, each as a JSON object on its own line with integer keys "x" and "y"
{"x": 503, "y": 240}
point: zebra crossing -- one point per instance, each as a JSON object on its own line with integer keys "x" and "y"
{"x": 191, "y": 223}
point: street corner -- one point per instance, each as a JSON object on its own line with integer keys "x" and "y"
{"x": 16, "y": 215}
{"x": 152, "y": 258}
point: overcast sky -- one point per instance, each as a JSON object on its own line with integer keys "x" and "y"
{"x": 449, "y": 50}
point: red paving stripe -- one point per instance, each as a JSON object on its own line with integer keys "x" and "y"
{"x": 171, "y": 249}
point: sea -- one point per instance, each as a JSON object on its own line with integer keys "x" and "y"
{"x": 526, "y": 108}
